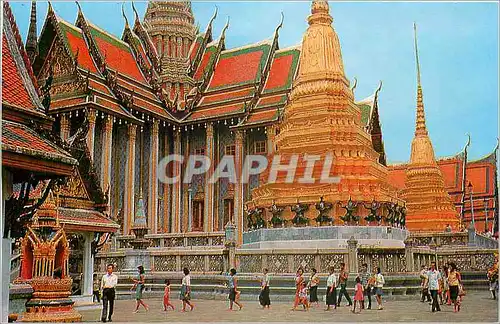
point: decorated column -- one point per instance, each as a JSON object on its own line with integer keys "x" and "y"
{"x": 176, "y": 192}
{"x": 128, "y": 205}
{"x": 166, "y": 191}
{"x": 271, "y": 135}
{"x": 238, "y": 190}
{"x": 91, "y": 116}
{"x": 64, "y": 129}
{"x": 208, "y": 222}
{"x": 153, "y": 184}
{"x": 106, "y": 153}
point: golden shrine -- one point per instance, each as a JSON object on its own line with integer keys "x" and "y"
{"x": 322, "y": 119}
{"x": 429, "y": 205}
{"x": 44, "y": 266}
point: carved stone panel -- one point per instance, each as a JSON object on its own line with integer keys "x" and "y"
{"x": 216, "y": 263}
{"x": 165, "y": 263}
{"x": 277, "y": 263}
{"x": 250, "y": 263}
{"x": 328, "y": 260}
{"x": 306, "y": 261}
{"x": 193, "y": 262}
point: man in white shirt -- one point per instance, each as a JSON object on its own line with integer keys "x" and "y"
{"x": 108, "y": 284}
{"x": 434, "y": 281}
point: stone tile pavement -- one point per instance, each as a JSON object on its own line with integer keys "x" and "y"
{"x": 476, "y": 307}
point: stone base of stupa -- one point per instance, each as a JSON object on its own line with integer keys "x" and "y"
{"x": 324, "y": 237}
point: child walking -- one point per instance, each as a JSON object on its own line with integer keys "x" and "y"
{"x": 96, "y": 286}
{"x": 234, "y": 294}
{"x": 303, "y": 296}
{"x": 166, "y": 296}
{"x": 358, "y": 295}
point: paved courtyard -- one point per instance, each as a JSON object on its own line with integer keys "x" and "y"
{"x": 475, "y": 307}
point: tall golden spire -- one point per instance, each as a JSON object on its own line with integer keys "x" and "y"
{"x": 420, "y": 127}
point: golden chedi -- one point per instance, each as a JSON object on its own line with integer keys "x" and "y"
{"x": 322, "y": 119}
{"x": 429, "y": 206}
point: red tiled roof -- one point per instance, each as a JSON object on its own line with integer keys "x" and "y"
{"x": 21, "y": 139}
{"x": 208, "y": 56}
{"x": 226, "y": 96}
{"x": 282, "y": 70}
{"x": 262, "y": 116}
{"x": 117, "y": 54}
{"x": 217, "y": 111}
{"x": 13, "y": 90}
{"x": 84, "y": 219}
{"x": 272, "y": 100}
{"x": 196, "y": 46}
{"x": 239, "y": 66}
{"x": 66, "y": 102}
{"x": 77, "y": 44}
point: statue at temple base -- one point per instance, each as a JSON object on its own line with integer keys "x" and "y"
{"x": 44, "y": 266}
{"x": 299, "y": 218}
{"x": 250, "y": 219}
{"x": 373, "y": 216}
{"x": 391, "y": 215}
{"x": 349, "y": 218}
{"x": 323, "y": 209}
{"x": 276, "y": 220}
{"x": 259, "y": 220}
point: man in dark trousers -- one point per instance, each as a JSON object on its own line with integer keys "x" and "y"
{"x": 108, "y": 284}
{"x": 434, "y": 282}
{"x": 365, "y": 281}
{"x": 343, "y": 283}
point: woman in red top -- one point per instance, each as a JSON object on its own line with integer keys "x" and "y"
{"x": 299, "y": 279}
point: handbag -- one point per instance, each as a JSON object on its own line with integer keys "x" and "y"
{"x": 461, "y": 290}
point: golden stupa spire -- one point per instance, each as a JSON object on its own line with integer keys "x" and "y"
{"x": 420, "y": 129}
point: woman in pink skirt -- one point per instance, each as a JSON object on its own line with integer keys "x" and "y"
{"x": 358, "y": 295}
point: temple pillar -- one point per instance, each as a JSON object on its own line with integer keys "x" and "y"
{"x": 166, "y": 193}
{"x": 271, "y": 135}
{"x": 208, "y": 222}
{"x": 88, "y": 266}
{"x": 238, "y": 188}
{"x": 106, "y": 153}
{"x": 153, "y": 184}
{"x": 352, "y": 255}
{"x": 5, "y": 249}
{"x": 91, "y": 116}
{"x": 177, "y": 186}
{"x": 128, "y": 204}
{"x": 64, "y": 127}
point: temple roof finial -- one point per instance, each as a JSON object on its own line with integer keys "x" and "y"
{"x": 420, "y": 129}
{"x": 124, "y": 16}
{"x": 31, "y": 40}
{"x": 135, "y": 12}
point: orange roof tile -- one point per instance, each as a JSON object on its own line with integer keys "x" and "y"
{"x": 271, "y": 100}
{"x": 77, "y": 44}
{"x": 14, "y": 91}
{"x": 283, "y": 69}
{"x": 66, "y": 102}
{"x": 217, "y": 111}
{"x": 262, "y": 116}
{"x": 117, "y": 54}
{"x": 226, "y": 96}
{"x": 208, "y": 57}
{"x": 241, "y": 66}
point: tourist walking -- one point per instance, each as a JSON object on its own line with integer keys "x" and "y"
{"x": 96, "y": 285}
{"x": 444, "y": 284}
{"x": 379, "y": 284}
{"x": 433, "y": 282}
{"x": 365, "y": 282}
{"x": 139, "y": 288}
{"x": 185, "y": 294}
{"x": 299, "y": 279}
{"x": 423, "y": 284}
{"x": 233, "y": 291}
{"x": 358, "y": 295}
{"x": 343, "y": 285}
{"x": 108, "y": 284}
{"x": 454, "y": 281}
{"x": 313, "y": 287}
{"x": 493, "y": 279}
{"x": 264, "y": 299}
{"x": 166, "y": 296}
{"x": 331, "y": 290}
{"x": 303, "y": 296}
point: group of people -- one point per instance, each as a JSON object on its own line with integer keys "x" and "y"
{"x": 441, "y": 286}
{"x": 366, "y": 284}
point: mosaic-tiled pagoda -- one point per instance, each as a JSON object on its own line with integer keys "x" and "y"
{"x": 430, "y": 208}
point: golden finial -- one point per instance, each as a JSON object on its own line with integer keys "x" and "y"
{"x": 124, "y": 16}
{"x": 420, "y": 129}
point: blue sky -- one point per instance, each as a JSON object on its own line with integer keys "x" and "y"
{"x": 458, "y": 47}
